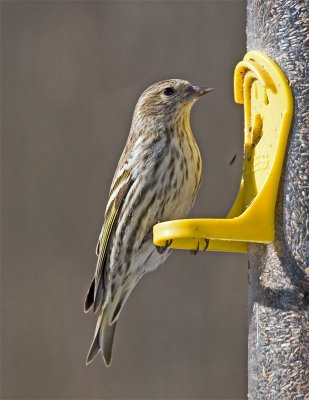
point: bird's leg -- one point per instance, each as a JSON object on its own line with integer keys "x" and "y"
{"x": 206, "y": 244}
{"x": 162, "y": 249}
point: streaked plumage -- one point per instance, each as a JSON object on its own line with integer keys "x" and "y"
{"x": 157, "y": 179}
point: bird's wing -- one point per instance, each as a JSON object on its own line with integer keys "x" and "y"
{"x": 118, "y": 192}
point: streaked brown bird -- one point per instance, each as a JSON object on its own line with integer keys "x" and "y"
{"x": 157, "y": 179}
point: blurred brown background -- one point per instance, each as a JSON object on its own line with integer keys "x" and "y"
{"x": 71, "y": 75}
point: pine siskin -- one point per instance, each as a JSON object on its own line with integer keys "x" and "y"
{"x": 157, "y": 179}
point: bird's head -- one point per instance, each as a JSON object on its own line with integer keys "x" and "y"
{"x": 168, "y": 99}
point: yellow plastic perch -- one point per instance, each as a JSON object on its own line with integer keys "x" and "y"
{"x": 261, "y": 86}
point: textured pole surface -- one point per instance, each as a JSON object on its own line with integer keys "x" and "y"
{"x": 279, "y": 272}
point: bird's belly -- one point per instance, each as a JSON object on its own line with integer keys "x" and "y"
{"x": 175, "y": 204}
{"x": 174, "y": 195}
{"x": 148, "y": 258}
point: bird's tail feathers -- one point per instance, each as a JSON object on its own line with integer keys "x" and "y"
{"x": 89, "y": 297}
{"x": 102, "y": 341}
{"x": 94, "y": 295}
{"x": 106, "y": 342}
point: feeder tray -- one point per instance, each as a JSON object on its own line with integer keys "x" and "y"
{"x": 260, "y": 85}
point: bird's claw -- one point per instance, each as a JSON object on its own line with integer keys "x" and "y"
{"x": 206, "y": 244}
{"x": 194, "y": 252}
{"x": 162, "y": 249}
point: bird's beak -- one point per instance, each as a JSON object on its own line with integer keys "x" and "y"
{"x": 201, "y": 90}
{"x": 195, "y": 92}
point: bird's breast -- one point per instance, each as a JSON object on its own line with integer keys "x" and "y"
{"x": 181, "y": 176}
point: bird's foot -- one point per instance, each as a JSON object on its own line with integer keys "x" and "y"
{"x": 206, "y": 244}
{"x": 162, "y": 249}
{"x": 194, "y": 252}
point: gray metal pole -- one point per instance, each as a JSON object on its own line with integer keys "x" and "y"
{"x": 278, "y": 363}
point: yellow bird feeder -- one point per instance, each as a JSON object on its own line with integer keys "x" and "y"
{"x": 260, "y": 85}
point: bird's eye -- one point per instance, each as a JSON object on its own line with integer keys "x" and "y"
{"x": 168, "y": 91}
